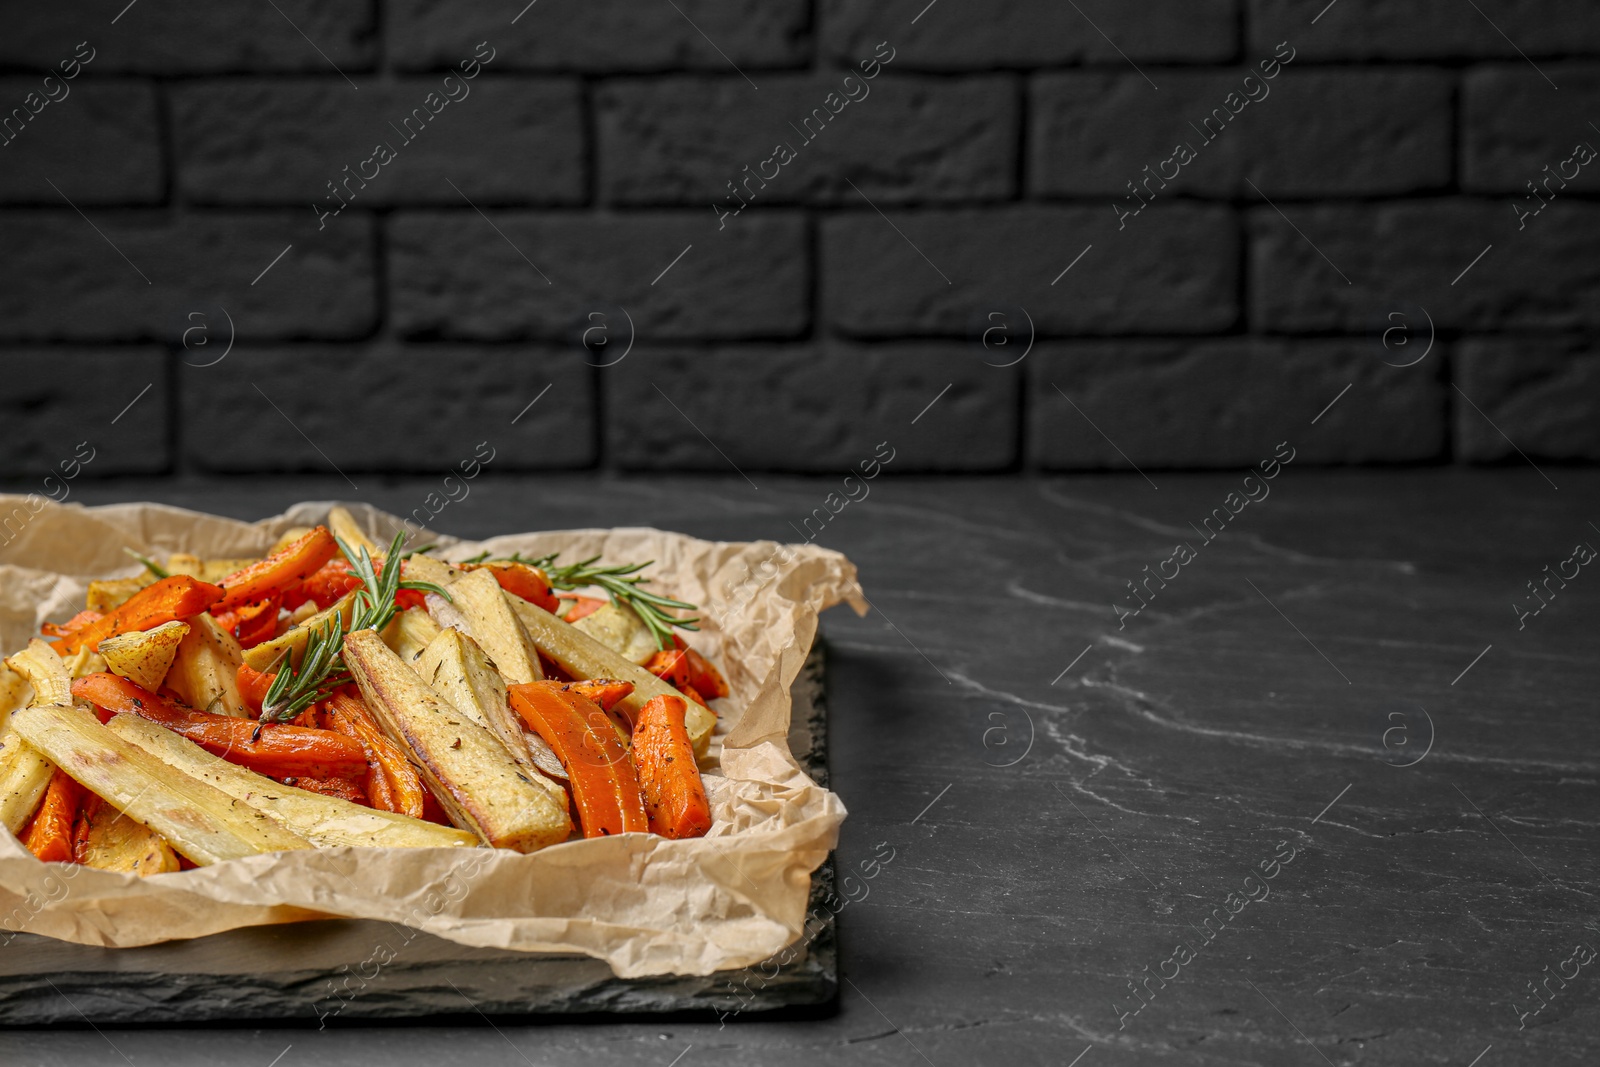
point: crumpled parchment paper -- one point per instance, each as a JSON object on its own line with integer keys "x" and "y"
{"x": 644, "y": 904}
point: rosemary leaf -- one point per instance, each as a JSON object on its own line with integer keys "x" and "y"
{"x": 652, "y": 608}
{"x": 149, "y": 564}
{"x": 321, "y": 669}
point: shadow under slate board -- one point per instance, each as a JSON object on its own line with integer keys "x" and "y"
{"x": 297, "y": 972}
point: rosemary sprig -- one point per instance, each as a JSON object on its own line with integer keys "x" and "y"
{"x": 322, "y": 667}
{"x": 650, "y": 607}
{"x": 149, "y": 564}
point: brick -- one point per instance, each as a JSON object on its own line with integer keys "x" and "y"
{"x": 1095, "y": 131}
{"x": 63, "y": 280}
{"x": 69, "y": 139}
{"x": 384, "y": 406}
{"x": 56, "y": 398}
{"x": 280, "y": 141}
{"x": 1227, "y": 402}
{"x": 196, "y": 38}
{"x": 820, "y": 407}
{"x": 1424, "y": 29}
{"x": 1539, "y": 279}
{"x": 1513, "y": 127}
{"x": 453, "y": 276}
{"x": 905, "y": 138}
{"x": 602, "y": 35}
{"x": 1171, "y": 269}
{"x": 1032, "y": 33}
{"x": 1542, "y": 392}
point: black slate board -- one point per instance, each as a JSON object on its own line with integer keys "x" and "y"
{"x": 335, "y": 971}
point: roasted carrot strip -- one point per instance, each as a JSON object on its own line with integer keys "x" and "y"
{"x": 260, "y": 625}
{"x": 380, "y": 794}
{"x": 405, "y": 599}
{"x": 603, "y": 691}
{"x": 703, "y": 676}
{"x": 80, "y": 828}
{"x": 253, "y": 686}
{"x": 671, "y": 666}
{"x": 343, "y": 788}
{"x": 604, "y": 782}
{"x": 177, "y": 597}
{"x": 72, "y": 625}
{"x": 521, "y": 580}
{"x": 402, "y": 789}
{"x": 298, "y": 561}
{"x": 676, "y": 667}
{"x": 251, "y": 623}
{"x": 330, "y": 582}
{"x": 274, "y": 750}
{"x": 431, "y": 811}
{"x": 584, "y": 605}
{"x": 674, "y": 796}
{"x": 50, "y": 836}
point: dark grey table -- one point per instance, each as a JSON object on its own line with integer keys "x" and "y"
{"x": 1326, "y": 798}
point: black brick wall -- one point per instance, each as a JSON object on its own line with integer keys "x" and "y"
{"x": 196, "y": 187}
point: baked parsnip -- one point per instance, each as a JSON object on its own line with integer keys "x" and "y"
{"x": 197, "y": 819}
{"x": 474, "y": 777}
{"x": 205, "y": 670}
{"x": 494, "y": 625}
{"x": 24, "y": 771}
{"x": 144, "y": 656}
{"x": 455, "y": 667}
{"x": 621, "y": 630}
{"x": 582, "y": 656}
{"x": 323, "y": 820}
{"x": 410, "y": 633}
{"x": 344, "y": 526}
{"x": 293, "y": 642}
{"x": 110, "y": 841}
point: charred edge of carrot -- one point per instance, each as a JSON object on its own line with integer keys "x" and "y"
{"x": 605, "y": 785}
{"x": 50, "y": 836}
{"x": 295, "y": 563}
{"x": 274, "y": 750}
{"x": 169, "y": 599}
{"x": 669, "y": 780}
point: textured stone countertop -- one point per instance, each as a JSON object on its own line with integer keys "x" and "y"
{"x": 1326, "y": 797}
